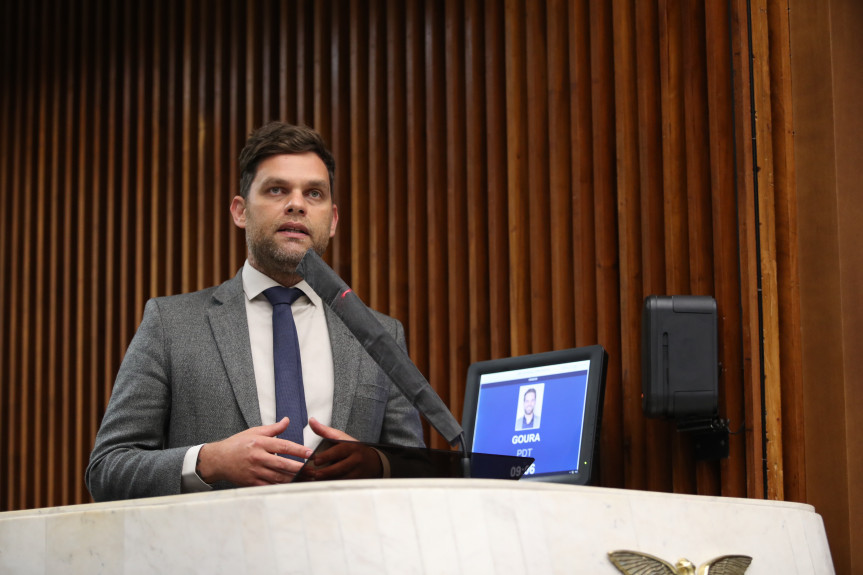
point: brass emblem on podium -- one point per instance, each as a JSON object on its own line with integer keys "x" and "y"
{"x": 636, "y": 563}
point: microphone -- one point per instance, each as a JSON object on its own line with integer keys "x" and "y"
{"x": 380, "y": 345}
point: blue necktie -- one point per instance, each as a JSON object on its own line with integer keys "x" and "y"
{"x": 290, "y": 397}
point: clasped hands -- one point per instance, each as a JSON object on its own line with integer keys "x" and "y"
{"x": 252, "y": 457}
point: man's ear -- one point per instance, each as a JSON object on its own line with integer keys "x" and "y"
{"x": 335, "y": 221}
{"x": 238, "y": 211}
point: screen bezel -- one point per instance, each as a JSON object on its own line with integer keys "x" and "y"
{"x": 598, "y": 359}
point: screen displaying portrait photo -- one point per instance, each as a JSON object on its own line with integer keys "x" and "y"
{"x": 548, "y": 402}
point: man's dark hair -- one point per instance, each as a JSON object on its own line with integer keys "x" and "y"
{"x": 279, "y": 138}
{"x": 531, "y": 390}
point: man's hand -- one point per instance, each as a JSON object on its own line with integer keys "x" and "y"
{"x": 328, "y": 432}
{"x": 251, "y": 457}
{"x": 344, "y": 460}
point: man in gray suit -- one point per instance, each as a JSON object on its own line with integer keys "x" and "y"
{"x": 193, "y": 405}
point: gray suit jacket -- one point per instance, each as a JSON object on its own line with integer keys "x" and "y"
{"x": 187, "y": 378}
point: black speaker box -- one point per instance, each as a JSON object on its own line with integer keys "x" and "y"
{"x": 680, "y": 369}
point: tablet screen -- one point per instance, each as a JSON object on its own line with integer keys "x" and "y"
{"x": 543, "y": 406}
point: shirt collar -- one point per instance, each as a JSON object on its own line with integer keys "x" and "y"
{"x": 255, "y": 282}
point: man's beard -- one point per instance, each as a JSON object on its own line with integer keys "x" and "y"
{"x": 274, "y": 260}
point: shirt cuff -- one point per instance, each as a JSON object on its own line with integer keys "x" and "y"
{"x": 385, "y": 464}
{"x": 191, "y": 482}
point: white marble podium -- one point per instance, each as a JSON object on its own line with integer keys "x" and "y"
{"x": 409, "y": 526}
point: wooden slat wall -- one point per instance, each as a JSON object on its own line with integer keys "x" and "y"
{"x": 513, "y": 177}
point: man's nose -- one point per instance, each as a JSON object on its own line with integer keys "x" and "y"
{"x": 295, "y": 202}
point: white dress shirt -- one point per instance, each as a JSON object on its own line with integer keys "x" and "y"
{"x": 316, "y": 354}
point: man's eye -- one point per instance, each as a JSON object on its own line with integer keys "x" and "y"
{"x": 276, "y": 190}
{"x": 315, "y": 193}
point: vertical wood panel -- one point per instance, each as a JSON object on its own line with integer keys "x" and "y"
{"x": 560, "y": 183}
{"x": 170, "y": 242}
{"x": 81, "y": 351}
{"x": 95, "y": 239}
{"x": 725, "y": 241}
{"x": 322, "y": 78}
{"x": 657, "y": 433}
{"x": 698, "y": 183}
{"x": 537, "y": 200}
{"x": 751, "y": 328}
{"x": 33, "y": 252}
{"x": 359, "y": 67}
{"x": 456, "y": 206}
{"x": 152, "y": 233}
{"x": 40, "y": 297}
{"x": 20, "y": 263}
{"x": 436, "y": 205}
{"x": 377, "y": 223}
{"x": 54, "y": 432}
{"x": 103, "y": 300}
{"x": 605, "y": 216}
{"x": 237, "y": 130}
{"x": 418, "y": 328}
{"x": 673, "y": 141}
{"x": 766, "y": 234}
{"x": 38, "y": 253}
{"x": 144, "y": 91}
{"x": 187, "y": 111}
{"x": 697, "y": 149}
{"x": 285, "y": 69}
{"x": 496, "y": 134}
{"x": 124, "y": 205}
{"x": 267, "y": 58}
{"x": 304, "y": 70}
{"x": 395, "y": 267}
{"x": 208, "y": 206}
{"x": 6, "y": 385}
{"x": 788, "y": 272}
{"x": 518, "y": 202}
{"x": 677, "y": 256}
{"x": 581, "y": 134}
{"x": 821, "y": 158}
{"x": 478, "y": 206}
{"x": 340, "y": 140}
{"x": 629, "y": 232}
{"x": 68, "y": 379}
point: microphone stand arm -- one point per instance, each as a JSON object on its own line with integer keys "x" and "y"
{"x": 383, "y": 349}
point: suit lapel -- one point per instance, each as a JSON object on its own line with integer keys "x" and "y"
{"x": 346, "y": 348}
{"x": 231, "y": 331}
